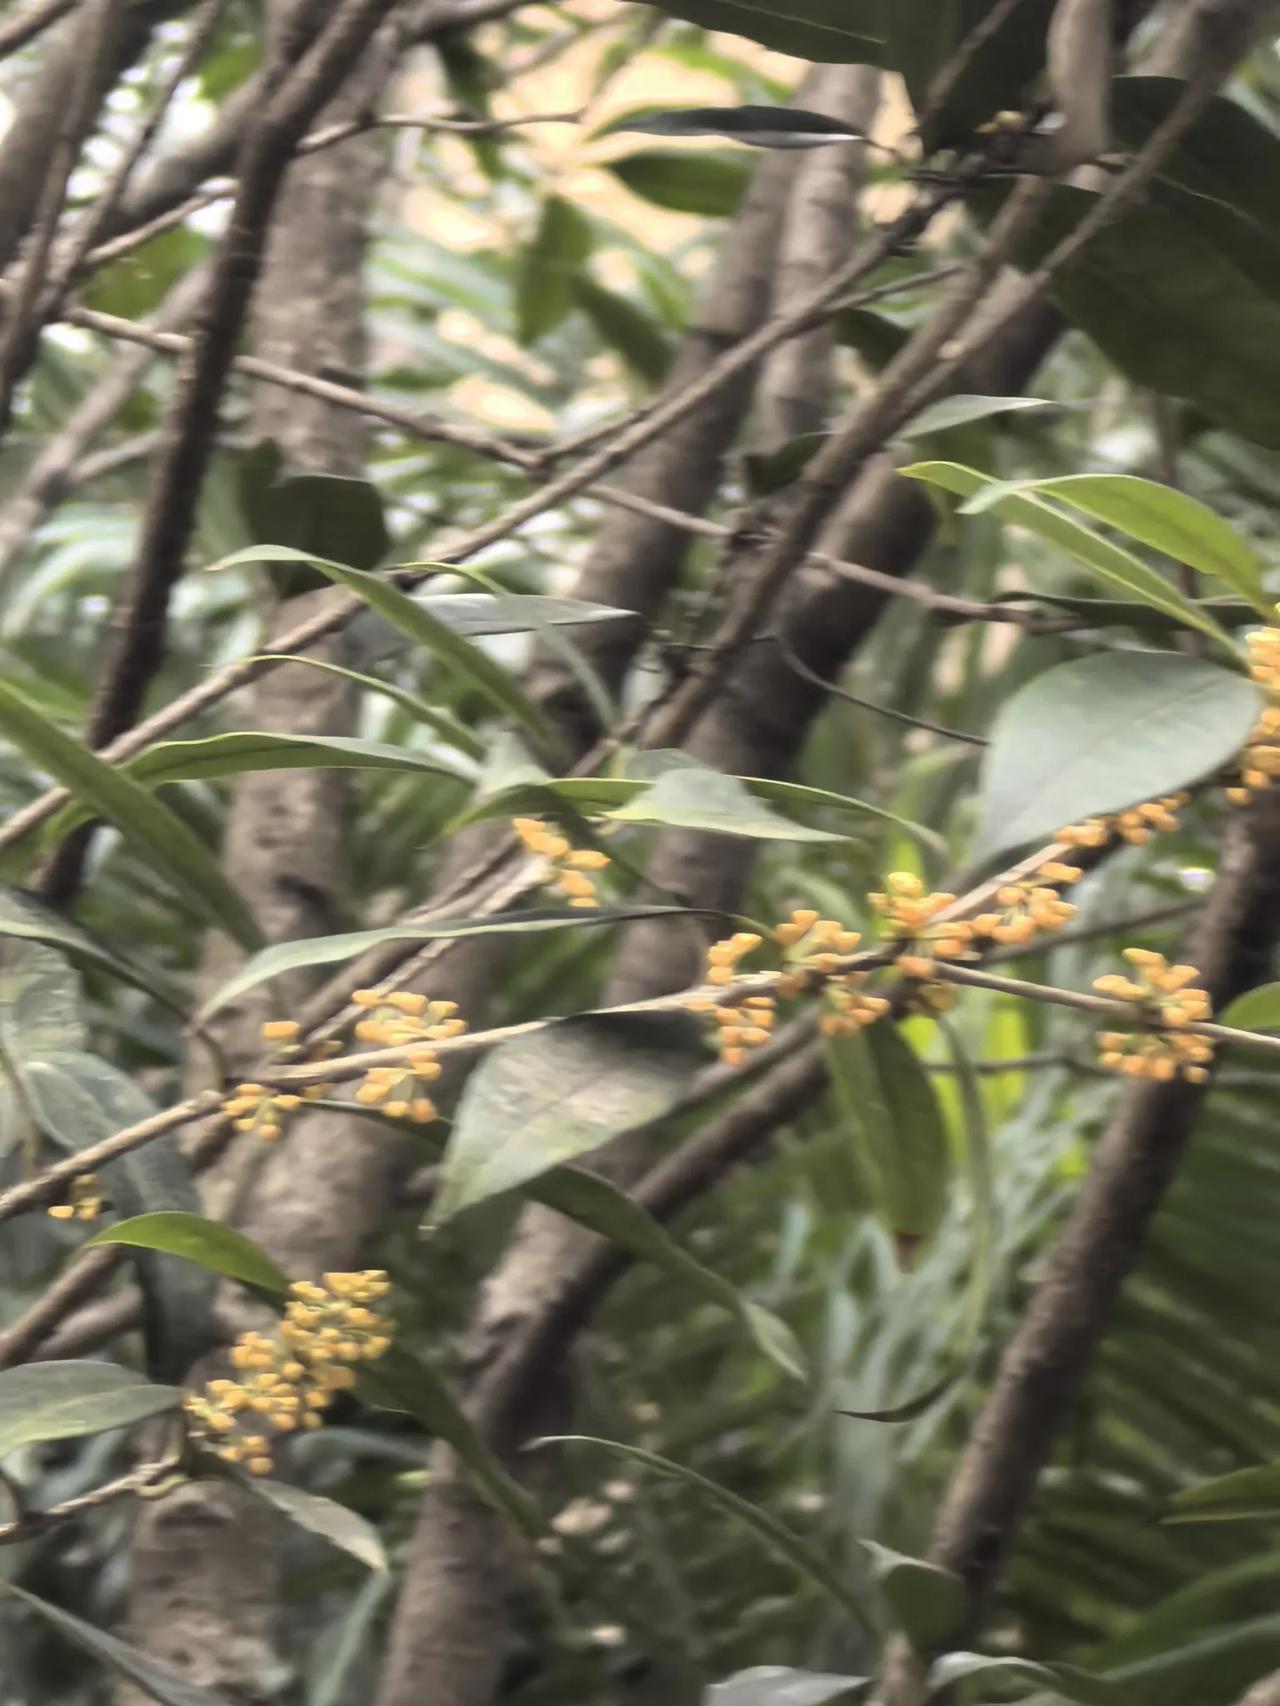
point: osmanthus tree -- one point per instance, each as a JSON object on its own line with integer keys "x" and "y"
{"x": 641, "y": 862}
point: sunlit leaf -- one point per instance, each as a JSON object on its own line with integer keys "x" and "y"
{"x": 778, "y": 1685}
{"x": 1064, "y": 1682}
{"x": 208, "y": 1243}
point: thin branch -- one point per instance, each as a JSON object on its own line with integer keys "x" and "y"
{"x": 33, "y": 22}
{"x": 150, "y": 1480}
{"x": 77, "y": 1282}
{"x": 829, "y": 687}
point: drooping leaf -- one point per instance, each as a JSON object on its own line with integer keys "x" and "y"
{"x": 809, "y": 1562}
{"x": 708, "y": 184}
{"x": 341, "y": 1527}
{"x": 329, "y": 950}
{"x": 1064, "y": 1682}
{"x": 209, "y": 1243}
{"x": 155, "y": 835}
{"x": 960, "y": 409}
{"x": 597, "y": 1203}
{"x": 1099, "y": 555}
{"x": 1243, "y": 1494}
{"x": 156, "y": 1679}
{"x": 1257, "y": 1010}
{"x": 333, "y": 514}
{"x": 69, "y": 1400}
{"x": 415, "y": 620}
{"x": 929, "y": 1604}
{"x": 400, "y": 1381}
{"x": 626, "y": 328}
{"x": 549, "y": 265}
{"x": 1103, "y": 733}
{"x": 711, "y": 801}
{"x": 760, "y": 127}
{"x": 448, "y": 728}
{"x": 779, "y": 1685}
{"x": 1160, "y": 516}
{"x": 840, "y": 32}
{"x": 893, "y": 1118}
{"x": 558, "y": 1094}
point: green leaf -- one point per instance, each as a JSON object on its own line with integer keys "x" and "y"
{"x": 684, "y": 182}
{"x": 929, "y": 1604}
{"x": 1160, "y": 516}
{"x": 344, "y": 1528}
{"x": 1099, "y": 555}
{"x": 415, "y": 620}
{"x": 154, "y": 834}
{"x": 548, "y": 267}
{"x": 809, "y": 1562}
{"x": 1064, "y": 1681}
{"x": 779, "y": 1685}
{"x": 1244, "y": 1494}
{"x": 1256, "y": 1010}
{"x": 557, "y": 1094}
{"x": 328, "y": 513}
{"x": 960, "y": 409}
{"x": 439, "y": 722}
{"x": 70, "y": 1400}
{"x": 399, "y": 1381}
{"x": 625, "y": 328}
{"x": 156, "y": 1679}
{"x": 208, "y": 1243}
{"x": 769, "y": 471}
{"x": 894, "y": 1121}
{"x": 760, "y": 127}
{"x": 329, "y": 950}
{"x": 923, "y": 36}
{"x": 708, "y": 800}
{"x": 839, "y": 32}
{"x": 596, "y": 1203}
{"x": 1103, "y": 733}
{"x": 25, "y": 918}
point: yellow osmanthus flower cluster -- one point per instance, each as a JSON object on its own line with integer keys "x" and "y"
{"x": 1260, "y": 760}
{"x": 814, "y": 944}
{"x": 571, "y": 867}
{"x": 910, "y": 914}
{"x": 1025, "y": 908}
{"x": 286, "y": 1382}
{"x": 402, "y": 1019}
{"x": 254, "y": 1108}
{"x": 84, "y": 1199}
{"x": 1168, "y": 996}
{"x": 1136, "y": 825}
{"x": 739, "y": 1025}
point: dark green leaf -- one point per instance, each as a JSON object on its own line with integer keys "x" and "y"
{"x": 840, "y": 32}
{"x": 208, "y": 1243}
{"x": 549, "y": 266}
{"x": 328, "y": 950}
{"x": 333, "y": 1522}
{"x": 558, "y": 1094}
{"x": 684, "y": 182}
{"x": 1256, "y": 1010}
{"x": 925, "y": 34}
{"x": 761, "y": 127}
{"x": 810, "y": 1563}
{"x": 875, "y": 337}
{"x": 156, "y": 1679}
{"x": 1244, "y": 1494}
{"x": 929, "y": 1604}
{"x": 1099, "y": 555}
{"x": 26, "y": 918}
{"x": 769, "y": 471}
{"x": 1103, "y": 733}
{"x": 323, "y": 514}
{"x": 626, "y": 328}
{"x": 156, "y": 836}
{"x": 1063, "y": 1681}
{"x": 69, "y": 1400}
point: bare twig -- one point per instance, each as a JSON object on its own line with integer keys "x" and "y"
{"x": 78, "y": 1281}
{"x": 31, "y": 23}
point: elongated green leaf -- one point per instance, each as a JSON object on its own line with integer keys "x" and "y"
{"x": 1257, "y": 1010}
{"x": 549, "y": 265}
{"x": 1099, "y": 555}
{"x": 441, "y": 723}
{"x": 626, "y": 328}
{"x": 684, "y": 182}
{"x": 960, "y": 409}
{"x": 600, "y": 1205}
{"x": 25, "y": 918}
{"x": 893, "y": 1117}
{"x": 779, "y": 1685}
{"x": 156, "y": 1680}
{"x": 320, "y": 512}
{"x": 413, "y": 618}
{"x": 68, "y": 1400}
{"x": 841, "y": 32}
{"x": 330, "y": 950}
{"x": 760, "y": 127}
{"x": 709, "y": 800}
{"x": 1160, "y": 516}
{"x": 333, "y": 1522}
{"x": 1245, "y": 1493}
{"x": 208, "y": 1243}
{"x": 1102, "y": 733}
{"x": 809, "y": 1562}
{"x": 929, "y": 1604}
{"x": 399, "y": 1381}
{"x": 558, "y": 1094}
{"x": 159, "y": 838}
{"x": 1065, "y": 1682}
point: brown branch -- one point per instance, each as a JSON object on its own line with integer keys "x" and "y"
{"x": 81, "y": 1277}
{"x": 33, "y": 22}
